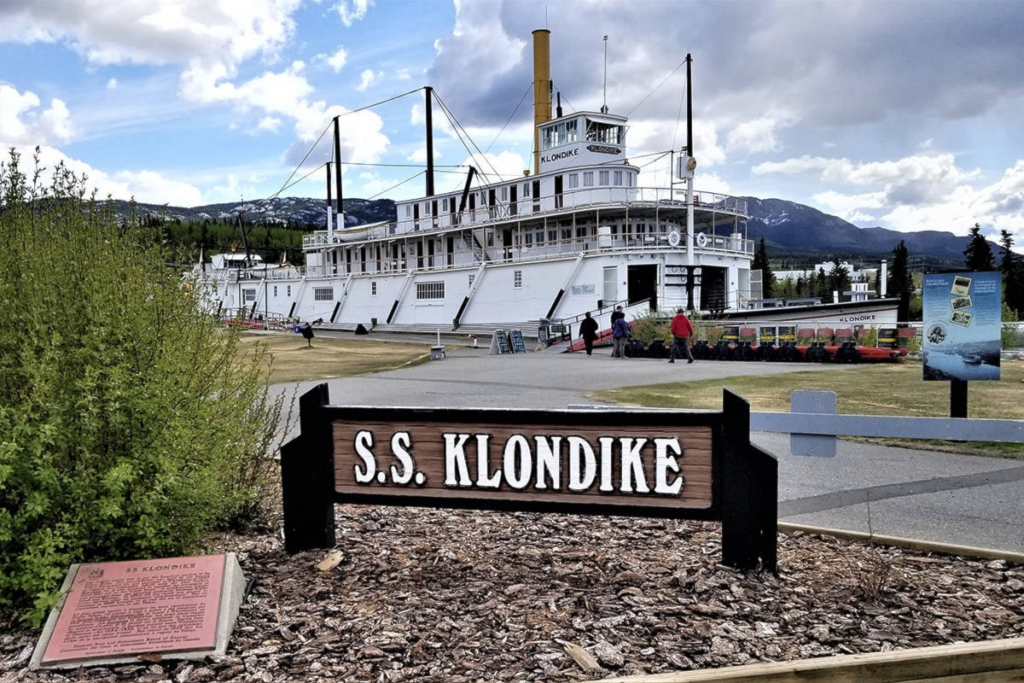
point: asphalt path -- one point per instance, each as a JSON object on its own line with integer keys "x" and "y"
{"x": 937, "y": 497}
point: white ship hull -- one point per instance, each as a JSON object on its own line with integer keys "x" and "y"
{"x": 580, "y": 234}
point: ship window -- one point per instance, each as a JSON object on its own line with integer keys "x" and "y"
{"x": 526, "y": 189}
{"x": 528, "y": 238}
{"x": 574, "y": 180}
{"x": 552, "y": 235}
{"x": 571, "y": 134}
{"x": 604, "y": 132}
{"x": 588, "y": 179}
{"x": 373, "y": 289}
{"x": 617, "y": 178}
{"x": 426, "y": 291}
{"x": 288, "y": 291}
{"x": 426, "y": 208}
{"x": 323, "y": 293}
{"x": 602, "y": 178}
{"x": 504, "y": 194}
{"x": 275, "y": 291}
{"x": 472, "y": 278}
{"x": 249, "y": 294}
{"x": 517, "y": 279}
{"x": 408, "y": 210}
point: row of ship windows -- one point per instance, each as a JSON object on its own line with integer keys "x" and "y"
{"x": 604, "y": 179}
{"x": 425, "y": 291}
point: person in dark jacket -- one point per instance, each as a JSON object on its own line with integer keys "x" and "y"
{"x": 616, "y": 314}
{"x": 588, "y": 331}
{"x": 620, "y": 336}
{"x": 682, "y": 330}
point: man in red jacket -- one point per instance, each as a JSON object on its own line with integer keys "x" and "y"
{"x": 682, "y": 330}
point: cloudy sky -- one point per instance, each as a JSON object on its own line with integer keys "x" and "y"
{"x": 902, "y": 114}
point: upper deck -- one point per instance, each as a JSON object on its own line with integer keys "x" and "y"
{"x": 601, "y": 203}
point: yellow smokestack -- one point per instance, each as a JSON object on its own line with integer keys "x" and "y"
{"x": 541, "y": 88}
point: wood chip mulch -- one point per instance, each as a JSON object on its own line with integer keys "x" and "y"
{"x": 440, "y": 595}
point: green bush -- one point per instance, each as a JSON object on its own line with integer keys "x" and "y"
{"x": 650, "y": 326}
{"x": 130, "y": 425}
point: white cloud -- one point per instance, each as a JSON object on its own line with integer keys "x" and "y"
{"x": 269, "y": 123}
{"x": 938, "y": 168}
{"x": 367, "y": 78}
{"x": 144, "y": 186}
{"x": 23, "y": 123}
{"x": 352, "y": 10}
{"x": 757, "y": 135}
{"x": 337, "y": 60}
{"x": 112, "y": 84}
{"x": 155, "y": 31}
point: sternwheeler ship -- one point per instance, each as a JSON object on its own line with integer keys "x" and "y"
{"x": 579, "y": 233}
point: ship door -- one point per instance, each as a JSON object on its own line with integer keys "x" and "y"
{"x": 642, "y": 282}
{"x": 558, "y": 192}
{"x": 712, "y": 289}
{"x": 506, "y": 242}
{"x": 611, "y": 285}
{"x": 513, "y": 199}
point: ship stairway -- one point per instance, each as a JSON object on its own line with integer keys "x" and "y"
{"x": 479, "y": 253}
{"x": 343, "y": 298}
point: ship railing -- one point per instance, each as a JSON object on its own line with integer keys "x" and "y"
{"x": 672, "y": 200}
{"x": 655, "y": 242}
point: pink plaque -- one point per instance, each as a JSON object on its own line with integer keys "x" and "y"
{"x": 117, "y": 609}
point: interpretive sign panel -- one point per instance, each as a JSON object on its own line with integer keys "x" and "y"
{"x": 115, "y": 610}
{"x": 962, "y": 313}
{"x": 674, "y": 464}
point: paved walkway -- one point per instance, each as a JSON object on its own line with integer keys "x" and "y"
{"x": 938, "y": 497}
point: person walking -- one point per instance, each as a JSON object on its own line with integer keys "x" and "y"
{"x": 682, "y": 330}
{"x": 588, "y": 331}
{"x": 620, "y": 336}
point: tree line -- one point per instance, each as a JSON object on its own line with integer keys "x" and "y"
{"x": 273, "y": 242}
{"x": 978, "y": 257}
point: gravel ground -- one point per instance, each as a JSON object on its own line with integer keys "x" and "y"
{"x": 456, "y": 596}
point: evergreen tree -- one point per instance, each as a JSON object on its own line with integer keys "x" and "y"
{"x": 978, "y": 254}
{"x": 899, "y": 279}
{"x": 767, "y": 276}
{"x": 821, "y": 285}
{"x": 838, "y": 278}
{"x": 1011, "y": 265}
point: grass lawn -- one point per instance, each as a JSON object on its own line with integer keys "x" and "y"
{"x": 870, "y": 389}
{"x": 294, "y": 361}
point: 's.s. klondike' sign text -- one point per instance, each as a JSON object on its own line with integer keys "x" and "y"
{"x": 692, "y": 465}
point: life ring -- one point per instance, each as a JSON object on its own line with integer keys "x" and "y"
{"x": 673, "y": 239}
{"x": 702, "y": 240}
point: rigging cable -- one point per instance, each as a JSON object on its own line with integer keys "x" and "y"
{"x": 511, "y": 116}
{"x": 655, "y": 89}
{"x": 460, "y": 131}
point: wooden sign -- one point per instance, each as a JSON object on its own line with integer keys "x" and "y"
{"x": 640, "y": 465}
{"x": 674, "y": 464}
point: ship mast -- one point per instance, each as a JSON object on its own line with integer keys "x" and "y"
{"x": 429, "y": 116}
{"x": 691, "y": 164}
{"x": 337, "y": 169}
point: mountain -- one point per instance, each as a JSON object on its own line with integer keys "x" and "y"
{"x": 797, "y": 232}
{"x": 794, "y": 233}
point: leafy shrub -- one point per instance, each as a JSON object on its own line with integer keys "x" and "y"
{"x": 130, "y": 425}
{"x": 650, "y": 326}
